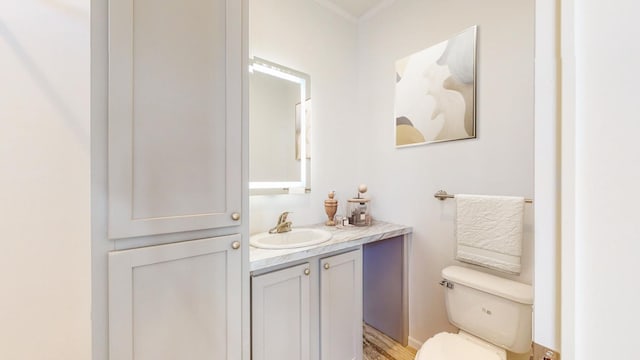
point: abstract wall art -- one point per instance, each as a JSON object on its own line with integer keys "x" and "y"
{"x": 435, "y": 92}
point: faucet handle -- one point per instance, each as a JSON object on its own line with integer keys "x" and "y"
{"x": 283, "y": 217}
{"x": 283, "y": 225}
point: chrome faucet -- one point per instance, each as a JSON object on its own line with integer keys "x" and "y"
{"x": 283, "y": 225}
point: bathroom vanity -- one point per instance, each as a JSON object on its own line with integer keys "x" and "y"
{"x": 307, "y": 303}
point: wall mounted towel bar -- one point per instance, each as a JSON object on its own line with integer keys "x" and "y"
{"x": 442, "y": 195}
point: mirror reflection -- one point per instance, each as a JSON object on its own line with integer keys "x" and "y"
{"x": 279, "y": 134}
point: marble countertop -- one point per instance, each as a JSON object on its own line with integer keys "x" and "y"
{"x": 342, "y": 238}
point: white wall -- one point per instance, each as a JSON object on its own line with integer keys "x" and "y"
{"x": 305, "y": 36}
{"x": 607, "y": 174}
{"x": 500, "y": 161}
{"x": 45, "y": 180}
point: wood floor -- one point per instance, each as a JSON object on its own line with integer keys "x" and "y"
{"x": 378, "y": 346}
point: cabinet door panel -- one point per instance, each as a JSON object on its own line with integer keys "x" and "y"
{"x": 281, "y": 315}
{"x": 174, "y": 115}
{"x": 341, "y": 307}
{"x": 384, "y": 283}
{"x": 176, "y": 301}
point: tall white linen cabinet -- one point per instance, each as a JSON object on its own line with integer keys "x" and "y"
{"x": 177, "y": 180}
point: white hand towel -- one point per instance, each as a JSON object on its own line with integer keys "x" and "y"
{"x": 489, "y": 231}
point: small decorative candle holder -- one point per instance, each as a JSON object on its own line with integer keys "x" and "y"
{"x": 358, "y": 209}
{"x": 330, "y": 207}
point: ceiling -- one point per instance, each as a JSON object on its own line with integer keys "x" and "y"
{"x": 354, "y": 9}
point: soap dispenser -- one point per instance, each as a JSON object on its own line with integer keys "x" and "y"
{"x": 358, "y": 208}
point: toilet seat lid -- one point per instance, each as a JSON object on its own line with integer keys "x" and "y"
{"x": 447, "y": 346}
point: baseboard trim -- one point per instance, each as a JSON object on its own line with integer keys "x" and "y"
{"x": 415, "y": 343}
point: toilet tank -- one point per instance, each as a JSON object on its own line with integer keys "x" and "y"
{"x": 492, "y": 308}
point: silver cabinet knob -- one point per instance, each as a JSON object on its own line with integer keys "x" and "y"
{"x": 326, "y": 266}
{"x": 235, "y": 245}
{"x": 307, "y": 271}
{"x": 235, "y": 216}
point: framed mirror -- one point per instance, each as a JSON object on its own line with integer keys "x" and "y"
{"x": 279, "y": 129}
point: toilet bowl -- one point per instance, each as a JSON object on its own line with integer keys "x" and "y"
{"x": 460, "y": 346}
{"x": 492, "y": 313}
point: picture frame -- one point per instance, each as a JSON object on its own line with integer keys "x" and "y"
{"x": 435, "y": 94}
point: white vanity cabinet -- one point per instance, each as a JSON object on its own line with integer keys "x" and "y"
{"x": 175, "y": 109}
{"x": 311, "y": 310}
{"x": 176, "y": 301}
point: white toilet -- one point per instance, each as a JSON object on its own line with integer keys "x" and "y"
{"x": 493, "y": 314}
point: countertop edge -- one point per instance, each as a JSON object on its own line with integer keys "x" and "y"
{"x": 342, "y": 239}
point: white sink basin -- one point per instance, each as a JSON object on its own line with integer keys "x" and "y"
{"x": 292, "y": 239}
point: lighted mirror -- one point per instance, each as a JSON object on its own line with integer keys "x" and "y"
{"x": 279, "y": 129}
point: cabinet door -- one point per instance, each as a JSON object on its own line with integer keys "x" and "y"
{"x": 176, "y": 301}
{"x": 384, "y": 287}
{"x": 341, "y": 307}
{"x": 281, "y": 314}
{"x": 175, "y": 73}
